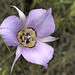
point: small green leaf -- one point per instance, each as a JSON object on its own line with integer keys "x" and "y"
{"x": 3, "y": 73}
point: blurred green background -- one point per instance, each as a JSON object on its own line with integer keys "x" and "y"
{"x": 63, "y": 62}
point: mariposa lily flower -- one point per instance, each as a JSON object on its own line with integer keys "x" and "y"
{"x": 29, "y": 34}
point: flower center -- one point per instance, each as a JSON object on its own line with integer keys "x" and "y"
{"x": 27, "y": 37}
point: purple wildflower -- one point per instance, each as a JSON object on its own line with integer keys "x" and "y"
{"x": 29, "y": 34}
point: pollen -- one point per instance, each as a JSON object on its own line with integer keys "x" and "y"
{"x": 27, "y": 37}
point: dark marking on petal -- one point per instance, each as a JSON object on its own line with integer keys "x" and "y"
{"x": 27, "y": 41}
{"x": 22, "y": 41}
{"x": 21, "y": 36}
{"x": 27, "y": 34}
{"x": 32, "y": 39}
